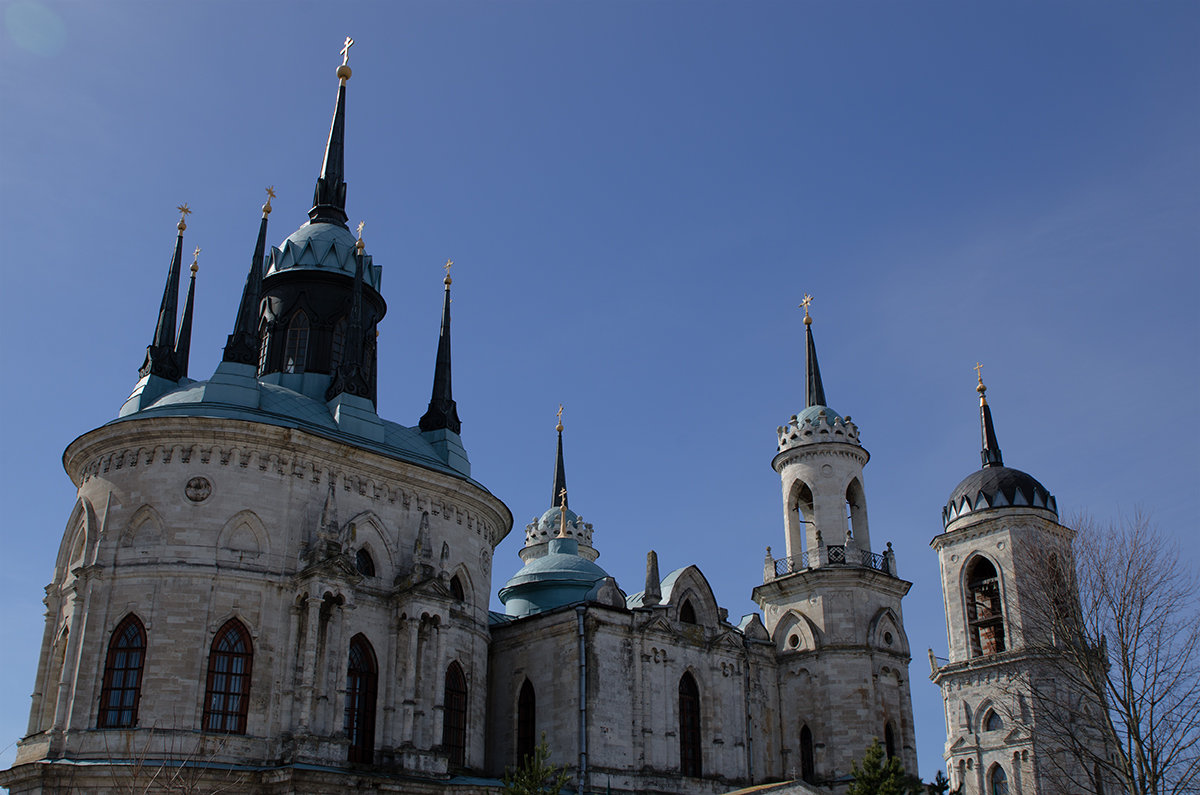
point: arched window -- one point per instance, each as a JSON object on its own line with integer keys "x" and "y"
{"x": 526, "y": 722}
{"x": 454, "y": 718}
{"x": 122, "y": 687}
{"x": 687, "y": 613}
{"x": 362, "y": 682}
{"x": 262, "y": 348}
{"x": 997, "y": 781}
{"x": 456, "y": 589}
{"x": 227, "y": 695}
{"x": 689, "y": 727}
{"x": 889, "y": 739}
{"x": 985, "y": 615}
{"x": 364, "y": 563}
{"x": 804, "y": 514}
{"x": 992, "y": 721}
{"x": 856, "y": 501}
{"x": 295, "y": 352}
{"x": 808, "y": 761}
{"x": 338, "y": 351}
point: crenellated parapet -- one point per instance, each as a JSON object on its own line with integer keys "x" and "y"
{"x": 539, "y": 532}
{"x": 816, "y": 424}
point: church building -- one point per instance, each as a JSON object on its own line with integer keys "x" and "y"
{"x": 264, "y": 586}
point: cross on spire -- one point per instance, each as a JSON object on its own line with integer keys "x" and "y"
{"x": 195, "y": 259}
{"x": 346, "y": 50}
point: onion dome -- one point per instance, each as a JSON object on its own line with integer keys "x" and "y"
{"x": 995, "y": 485}
{"x": 558, "y": 578}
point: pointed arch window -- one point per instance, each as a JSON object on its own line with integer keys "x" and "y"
{"x": 364, "y": 563}
{"x": 227, "y": 694}
{"x": 122, "y": 688}
{"x": 295, "y": 352}
{"x": 454, "y": 717}
{"x": 889, "y": 739}
{"x": 457, "y": 590}
{"x": 526, "y": 722}
{"x": 687, "y": 613}
{"x": 997, "y": 781}
{"x": 805, "y": 515}
{"x": 337, "y": 351}
{"x": 808, "y": 759}
{"x": 985, "y": 615}
{"x": 362, "y": 683}
{"x": 689, "y": 727}
{"x": 992, "y": 722}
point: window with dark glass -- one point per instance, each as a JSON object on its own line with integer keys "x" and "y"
{"x": 808, "y": 760}
{"x": 364, "y": 563}
{"x": 526, "y": 722}
{"x": 985, "y": 616}
{"x": 454, "y": 718}
{"x": 689, "y": 727}
{"x": 889, "y": 739}
{"x": 338, "y": 350}
{"x": 997, "y": 781}
{"x": 687, "y": 613}
{"x": 262, "y": 349}
{"x": 992, "y": 722}
{"x": 227, "y": 696}
{"x": 295, "y": 351}
{"x": 456, "y": 589}
{"x": 362, "y": 681}
{"x": 122, "y": 686}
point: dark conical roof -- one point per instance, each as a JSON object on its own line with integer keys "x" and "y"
{"x": 242, "y": 345}
{"x": 329, "y": 195}
{"x": 443, "y": 411}
{"x": 814, "y": 390}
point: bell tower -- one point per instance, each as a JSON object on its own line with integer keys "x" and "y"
{"x": 832, "y": 604}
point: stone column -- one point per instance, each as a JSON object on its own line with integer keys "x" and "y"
{"x": 439, "y": 686}
{"x": 389, "y": 672}
{"x": 308, "y": 668}
{"x": 410, "y": 681}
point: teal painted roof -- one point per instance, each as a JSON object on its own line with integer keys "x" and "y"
{"x": 553, "y": 518}
{"x": 321, "y": 246}
{"x": 812, "y": 415}
{"x": 285, "y": 408}
{"x": 562, "y": 564}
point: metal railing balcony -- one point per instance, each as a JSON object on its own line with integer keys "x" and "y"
{"x": 829, "y": 555}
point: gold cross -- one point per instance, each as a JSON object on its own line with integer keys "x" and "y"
{"x": 559, "y": 414}
{"x": 361, "y": 224}
{"x": 562, "y": 502}
{"x": 804, "y": 304}
{"x": 346, "y": 50}
{"x": 196, "y": 254}
{"x": 979, "y": 371}
{"x": 449, "y": 262}
{"x": 183, "y": 208}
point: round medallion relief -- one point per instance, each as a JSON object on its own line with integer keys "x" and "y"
{"x": 198, "y": 489}
{"x": 826, "y": 470}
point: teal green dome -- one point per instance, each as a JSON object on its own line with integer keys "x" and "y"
{"x": 560, "y": 577}
{"x": 552, "y": 519}
{"x": 812, "y": 415}
{"x": 321, "y": 246}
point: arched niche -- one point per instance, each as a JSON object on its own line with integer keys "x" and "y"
{"x": 244, "y": 538}
{"x": 367, "y": 530}
{"x": 886, "y": 632}
{"x": 794, "y": 632}
{"x": 689, "y": 585}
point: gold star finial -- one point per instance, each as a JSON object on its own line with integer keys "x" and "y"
{"x": 184, "y": 212}
{"x": 447, "y": 280}
{"x": 266, "y": 208}
{"x": 804, "y": 305}
{"x": 559, "y": 428}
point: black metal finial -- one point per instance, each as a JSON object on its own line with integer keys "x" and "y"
{"x": 990, "y": 454}
{"x": 351, "y": 375}
{"x": 329, "y": 196}
{"x": 814, "y": 391}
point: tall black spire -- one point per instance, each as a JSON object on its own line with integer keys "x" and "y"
{"x": 990, "y": 454}
{"x": 329, "y": 196}
{"x": 443, "y": 412}
{"x": 560, "y": 471}
{"x": 242, "y": 345}
{"x": 160, "y": 355}
{"x": 351, "y": 376}
{"x": 814, "y": 392}
{"x": 183, "y": 347}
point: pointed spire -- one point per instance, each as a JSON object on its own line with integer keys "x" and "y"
{"x": 160, "y": 355}
{"x": 443, "y": 411}
{"x": 183, "y": 347}
{"x": 814, "y": 391}
{"x": 990, "y": 454}
{"x": 329, "y": 196}
{"x": 560, "y": 471}
{"x": 242, "y": 345}
{"x": 350, "y": 377}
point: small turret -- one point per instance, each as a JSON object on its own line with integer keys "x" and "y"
{"x": 559, "y": 520}
{"x": 242, "y": 345}
{"x": 161, "y": 359}
{"x": 183, "y": 347}
{"x": 443, "y": 411}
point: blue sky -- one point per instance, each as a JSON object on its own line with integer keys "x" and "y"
{"x": 637, "y": 195}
